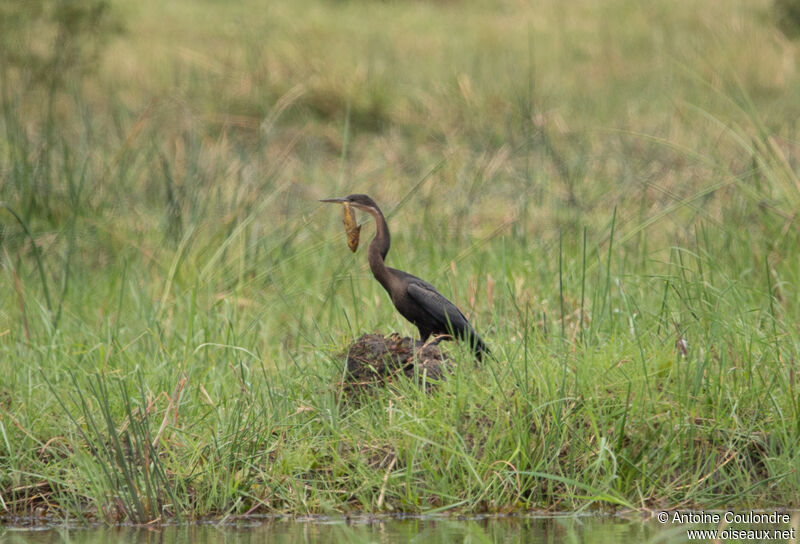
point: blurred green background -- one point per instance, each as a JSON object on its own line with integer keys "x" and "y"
{"x": 609, "y": 190}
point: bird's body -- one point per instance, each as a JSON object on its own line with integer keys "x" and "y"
{"x": 415, "y": 299}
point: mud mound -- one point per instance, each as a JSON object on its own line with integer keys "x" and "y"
{"x": 375, "y": 359}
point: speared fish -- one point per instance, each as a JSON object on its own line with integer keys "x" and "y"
{"x": 353, "y": 230}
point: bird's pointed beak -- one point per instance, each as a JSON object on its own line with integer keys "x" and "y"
{"x": 336, "y": 200}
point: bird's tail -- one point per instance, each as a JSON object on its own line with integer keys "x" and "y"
{"x": 479, "y": 347}
{"x": 468, "y": 335}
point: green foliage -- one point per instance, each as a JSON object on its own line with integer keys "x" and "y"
{"x": 616, "y": 214}
{"x": 787, "y": 16}
{"x": 46, "y": 41}
{"x": 47, "y": 48}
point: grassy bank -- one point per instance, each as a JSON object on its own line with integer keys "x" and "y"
{"x": 610, "y": 193}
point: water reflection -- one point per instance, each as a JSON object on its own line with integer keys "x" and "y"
{"x": 537, "y": 530}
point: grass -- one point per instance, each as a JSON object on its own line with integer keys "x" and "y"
{"x": 610, "y": 192}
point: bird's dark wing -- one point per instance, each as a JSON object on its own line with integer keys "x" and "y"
{"x": 439, "y": 308}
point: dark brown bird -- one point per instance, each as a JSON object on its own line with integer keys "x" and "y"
{"x": 415, "y": 299}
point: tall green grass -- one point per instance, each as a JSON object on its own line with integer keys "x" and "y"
{"x": 616, "y": 214}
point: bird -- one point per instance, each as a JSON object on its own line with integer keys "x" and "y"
{"x": 416, "y": 299}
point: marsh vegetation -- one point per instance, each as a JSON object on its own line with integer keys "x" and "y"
{"x": 614, "y": 191}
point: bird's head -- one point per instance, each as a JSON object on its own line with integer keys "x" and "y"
{"x": 362, "y": 202}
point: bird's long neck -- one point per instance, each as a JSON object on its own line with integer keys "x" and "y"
{"x": 378, "y": 249}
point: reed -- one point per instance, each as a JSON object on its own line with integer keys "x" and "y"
{"x": 618, "y": 218}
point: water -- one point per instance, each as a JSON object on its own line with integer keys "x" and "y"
{"x": 571, "y": 529}
{"x": 509, "y": 529}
